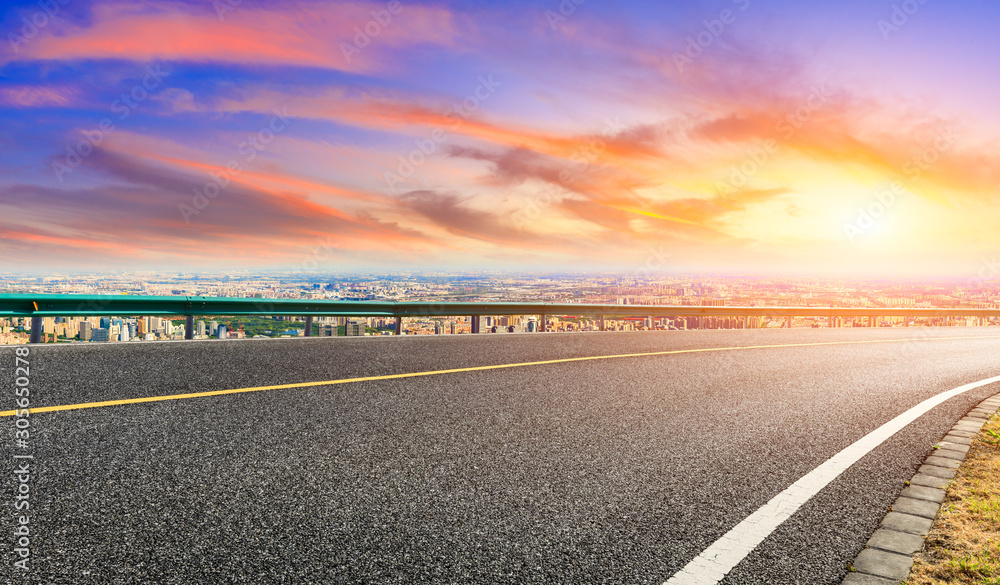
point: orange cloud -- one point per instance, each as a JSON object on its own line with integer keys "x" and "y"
{"x": 42, "y": 237}
{"x": 405, "y": 115}
{"x": 277, "y": 181}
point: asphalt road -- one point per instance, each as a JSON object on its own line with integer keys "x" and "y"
{"x": 606, "y": 471}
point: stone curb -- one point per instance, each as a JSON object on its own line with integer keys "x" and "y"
{"x": 888, "y": 555}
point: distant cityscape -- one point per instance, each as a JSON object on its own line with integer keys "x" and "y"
{"x": 477, "y": 287}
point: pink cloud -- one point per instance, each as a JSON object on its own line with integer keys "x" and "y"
{"x": 36, "y": 97}
{"x": 310, "y": 35}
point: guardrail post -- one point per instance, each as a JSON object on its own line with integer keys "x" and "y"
{"x": 788, "y": 322}
{"x": 36, "y": 330}
{"x": 603, "y": 326}
{"x": 541, "y": 324}
{"x": 399, "y": 326}
{"x": 474, "y": 319}
{"x": 189, "y": 327}
{"x": 309, "y": 326}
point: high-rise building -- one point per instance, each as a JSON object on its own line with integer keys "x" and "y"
{"x": 142, "y": 326}
{"x": 355, "y": 327}
{"x": 201, "y": 328}
{"x": 99, "y": 334}
{"x": 328, "y": 331}
{"x": 222, "y": 332}
{"x": 438, "y": 329}
{"x": 453, "y": 326}
{"x": 85, "y": 331}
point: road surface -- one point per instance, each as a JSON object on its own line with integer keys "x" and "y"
{"x": 616, "y": 470}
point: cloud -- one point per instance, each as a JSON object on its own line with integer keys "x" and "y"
{"x": 23, "y": 96}
{"x": 409, "y": 114}
{"x": 602, "y": 215}
{"x": 923, "y": 152}
{"x": 139, "y": 210}
{"x": 585, "y": 174}
{"x": 451, "y": 212}
{"x": 306, "y": 34}
{"x": 656, "y": 178}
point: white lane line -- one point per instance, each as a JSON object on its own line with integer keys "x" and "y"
{"x": 712, "y": 565}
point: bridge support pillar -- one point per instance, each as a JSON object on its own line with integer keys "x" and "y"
{"x": 189, "y": 327}
{"x": 399, "y": 326}
{"x": 36, "y": 330}
{"x": 309, "y": 326}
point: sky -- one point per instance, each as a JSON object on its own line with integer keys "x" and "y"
{"x": 845, "y": 137}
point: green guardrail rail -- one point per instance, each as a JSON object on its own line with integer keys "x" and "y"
{"x": 49, "y": 305}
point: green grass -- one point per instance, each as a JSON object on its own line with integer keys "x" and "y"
{"x": 963, "y": 547}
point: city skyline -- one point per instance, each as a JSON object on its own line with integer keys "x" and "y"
{"x": 494, "y": 287}
{"x": 735, "y": 136}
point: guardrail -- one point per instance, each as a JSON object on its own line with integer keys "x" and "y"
{"x": 38, "y": 306}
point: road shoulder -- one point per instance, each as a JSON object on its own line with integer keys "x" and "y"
{"x": 903, "y": 534}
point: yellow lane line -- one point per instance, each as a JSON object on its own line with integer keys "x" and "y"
{"x": 41, "y": 409}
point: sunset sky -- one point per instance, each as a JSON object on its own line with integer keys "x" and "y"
{"x": 832, "y": 137}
